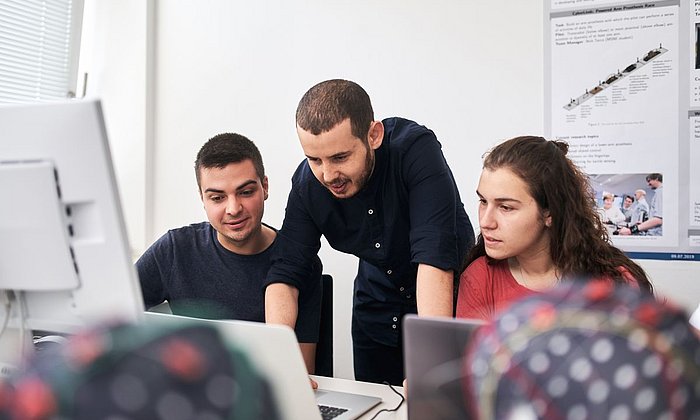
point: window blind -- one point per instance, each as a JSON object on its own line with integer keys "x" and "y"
{"x": 39, "y": 42}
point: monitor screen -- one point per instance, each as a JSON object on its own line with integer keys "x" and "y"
{"x": 64, "y": 253}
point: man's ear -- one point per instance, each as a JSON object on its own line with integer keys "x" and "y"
{"x": 265, "y": 186}
{"x": 375, "y": 135}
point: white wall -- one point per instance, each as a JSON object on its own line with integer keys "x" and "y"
{"x": 114, "y": 54}
{"x": 470, "y": 70}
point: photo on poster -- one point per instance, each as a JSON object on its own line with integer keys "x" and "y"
{"x": 626, "y": 202}
{"x": 694, "y": 51}
{"x": 697, "y": 45}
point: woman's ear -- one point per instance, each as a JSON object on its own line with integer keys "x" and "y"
{"x": 547, "y": 219}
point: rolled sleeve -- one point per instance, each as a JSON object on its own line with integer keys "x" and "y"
{"x": 432, "y": 202}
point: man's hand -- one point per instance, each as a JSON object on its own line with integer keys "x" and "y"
{"x": 434, "y": 289}
{"x": 624, "y": 231}
{"x": 644, "y": 226}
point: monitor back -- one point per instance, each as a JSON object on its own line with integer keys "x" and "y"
{"x": 71, "y": 137}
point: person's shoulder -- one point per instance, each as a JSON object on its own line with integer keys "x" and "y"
{"x": 487, "y": 263}
{"x": 302, "y": 173}
{"x": 488, "y": 270}
{"x": 191, "y": 229}
{"x": 477, "y": 267}
{"x": 189, "y": 235}
{"x": 406, "y": 140}
{"x": 179, "y": 240}
{"x": 404, "y": 132}
{"x": 480, "y": 262}
{"x": 275, "y": 238}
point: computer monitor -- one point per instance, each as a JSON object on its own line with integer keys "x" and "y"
{"x": 64, "y": 254}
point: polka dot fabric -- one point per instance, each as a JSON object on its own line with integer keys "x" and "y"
{"x": 137, "y": 372}
{"x": 593, "y": 351}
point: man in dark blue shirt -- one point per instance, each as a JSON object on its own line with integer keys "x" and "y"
{"x": 380, "y": 190}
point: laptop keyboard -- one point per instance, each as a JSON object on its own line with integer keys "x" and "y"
{"x": 328, "y": 412}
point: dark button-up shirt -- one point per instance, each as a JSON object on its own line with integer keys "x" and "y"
{"x": 408, "y": 213}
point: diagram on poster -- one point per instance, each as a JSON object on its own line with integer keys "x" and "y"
{"x": 615, "y": 78}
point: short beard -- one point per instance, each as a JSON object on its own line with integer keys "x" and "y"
{"x": 366, "y": 174}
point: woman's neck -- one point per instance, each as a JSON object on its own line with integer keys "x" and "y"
{"x": 538, "y": 273}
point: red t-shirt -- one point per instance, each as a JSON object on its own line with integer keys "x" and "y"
{"x": 486, "y": 289}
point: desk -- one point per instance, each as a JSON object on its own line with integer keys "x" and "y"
{"x": 389, "y": 399}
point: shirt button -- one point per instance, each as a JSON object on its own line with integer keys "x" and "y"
{"x": 401, "y": 289}
{"x": 370, "y": 211}
{"x": 377, "y": 245}
{"x": 393, "y": 326}
{"x": 395, "y": 319}
{"x": 389, "y": 272}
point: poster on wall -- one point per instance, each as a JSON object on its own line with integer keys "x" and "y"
{"x": 694, "y": 123}
{"x": 615, "y": 78}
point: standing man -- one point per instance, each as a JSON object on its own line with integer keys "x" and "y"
{"x": 380, "y": 190}
{"x": 654, "y": 225}
{"x": 641, "y": 208}
{"x": 217, "y": 269}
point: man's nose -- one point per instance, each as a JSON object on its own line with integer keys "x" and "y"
{"x": 233, "y": 205}
{"x": 328, "y": 173}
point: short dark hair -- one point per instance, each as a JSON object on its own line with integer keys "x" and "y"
{"x": 329, "y": 103}
{"x": 655, "y": 177}
{"x": 224, "y": 149}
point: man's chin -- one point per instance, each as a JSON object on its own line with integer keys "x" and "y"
{"x": 343, "y": 196}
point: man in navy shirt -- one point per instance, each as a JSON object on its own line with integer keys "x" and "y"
{"x": 380, "y": 190}
{"x": 217, "y": 269}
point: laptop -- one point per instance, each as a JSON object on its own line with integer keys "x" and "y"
{"x": 433, "y": 350}
{"x": 274, "y": 351}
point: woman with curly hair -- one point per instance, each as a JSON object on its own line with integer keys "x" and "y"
{"x": 539, "y": 227}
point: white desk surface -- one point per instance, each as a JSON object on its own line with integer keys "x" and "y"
{"x": 389, "y": 399}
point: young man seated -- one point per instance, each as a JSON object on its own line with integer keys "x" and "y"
{"x": 216, "y": 269}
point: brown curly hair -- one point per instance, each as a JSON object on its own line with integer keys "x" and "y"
{"x": 579, "y": 243}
